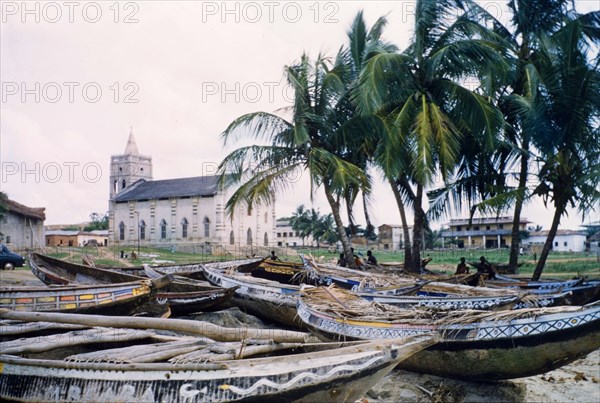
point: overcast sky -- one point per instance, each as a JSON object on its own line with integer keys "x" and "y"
{"x": 77, "y": 75}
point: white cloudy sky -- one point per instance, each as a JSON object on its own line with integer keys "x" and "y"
{"x": 189, "y": 67}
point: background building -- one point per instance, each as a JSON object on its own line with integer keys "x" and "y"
{"x": 187, "y": 213}
{"x": 483, "y": 232}
{"x": 286, "y": 236}
{"x": 391, "y": 237}
{"x": 76, "y": 238}
{"x": 22, "y": 227}
{"x": 564, "y": 241}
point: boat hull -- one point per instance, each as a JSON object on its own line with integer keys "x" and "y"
{"x": 485, "y": 352}
{"x": 338, "y": 375}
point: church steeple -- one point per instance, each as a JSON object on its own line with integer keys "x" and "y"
{"x": 131, "y": 147}
{"x": 128, "y": 168}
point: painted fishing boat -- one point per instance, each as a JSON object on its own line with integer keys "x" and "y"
{"x": 475, "y": 345}
{"x": 277, "y": 302}
{"x": 135, "y": 365}
{"x": 115, "y": 299}
{"x": 182, "y": 295}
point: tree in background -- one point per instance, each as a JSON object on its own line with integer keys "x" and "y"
{"x": 97, "y": 222}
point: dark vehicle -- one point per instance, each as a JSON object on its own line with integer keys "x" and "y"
{"x": 9, "y": 260}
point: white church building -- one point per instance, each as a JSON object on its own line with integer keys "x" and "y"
{"x": 185, "y": 213}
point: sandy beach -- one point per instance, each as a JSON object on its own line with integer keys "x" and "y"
{"x": 577, "y": 382}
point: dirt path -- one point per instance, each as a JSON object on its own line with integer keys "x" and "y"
{"x": 20, "y": 276}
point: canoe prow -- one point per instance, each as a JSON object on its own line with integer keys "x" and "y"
{"x": 161, "y": 282}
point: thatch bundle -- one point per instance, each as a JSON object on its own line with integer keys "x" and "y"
{"x": 344, "y": 304}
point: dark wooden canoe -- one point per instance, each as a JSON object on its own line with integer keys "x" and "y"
{"x": 135, "y": 365}
{"x": 475, "y": 345}
{"x": 183, "y": 295}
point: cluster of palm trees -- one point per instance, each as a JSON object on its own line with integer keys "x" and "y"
{"x": 311, "y": 223}
{"x": 529, "y": 127}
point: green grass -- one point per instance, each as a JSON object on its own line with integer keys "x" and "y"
{"x": 560, "y": 264}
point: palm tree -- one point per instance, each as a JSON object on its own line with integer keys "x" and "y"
{"x": 357, "y": 144}
{"x": 426, "y": 110}
{"x": 302, "y": 143}
{"x": 299, "y": 220}
{"x": 568, "y": 109}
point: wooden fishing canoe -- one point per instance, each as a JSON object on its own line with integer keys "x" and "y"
{"x": 115, "y": 299}
{"x": 139, "y": 366}
{"x": 475, "y": 345}
{"x": 277, "y": 302}
{"x": 182, "y": 295}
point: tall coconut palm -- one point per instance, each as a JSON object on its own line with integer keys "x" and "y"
{"x": 568, "y": 125}
{"x": 358, "y": 146}
{"x": 419, "y": 92}
{"x": 489, "y": 186}
{"x": 300, "y": 144}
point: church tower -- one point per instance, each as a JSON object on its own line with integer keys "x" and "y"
{"x": 128, "y": 168}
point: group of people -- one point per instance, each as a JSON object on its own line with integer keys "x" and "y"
{"x": 483, "y": 267}
{"x": 358, "y": 262}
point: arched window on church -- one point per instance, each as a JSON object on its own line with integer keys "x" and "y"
{"x": 121, "y": 231}
{"x": 142, "y": 229}
{"x": 206, "y": 223}
{"x": 163, "y": 229}
{"x": 266, "y": 241}
{"x": 249, "y": 237}
{"x": 116, "y": 186}
{"x": 249, "y": 209}
{"x": 184, "y": 228}
{"x": 266, "y": 218}
{"x": 231, "y": 238}
{"x": 123, "y": 184}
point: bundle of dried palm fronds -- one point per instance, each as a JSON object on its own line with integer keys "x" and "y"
{"x": 344, "y": 304}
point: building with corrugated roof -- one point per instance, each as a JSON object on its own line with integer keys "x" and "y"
{"x": 21, "y": 227}
{"x": 183, "y": 212}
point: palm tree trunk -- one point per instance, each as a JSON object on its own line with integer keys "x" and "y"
{"x": 405, "y": 232}
{"x": 370, "y": 230}
{"x": 515, "y": 239}
{"x": 417, "y": 240}
{"x": 560, "y": 209}
{"x": 335, "y": 211}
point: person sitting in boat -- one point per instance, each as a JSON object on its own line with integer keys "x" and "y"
{"x": 342, "y": 262}
{"x": 462, "y": 267}
{"x": 484, "y": 267}
{"x": 371, "y": 259}
{"x": 274, "y": 256}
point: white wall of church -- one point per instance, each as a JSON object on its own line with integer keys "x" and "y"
{"x": 161, "y": 222}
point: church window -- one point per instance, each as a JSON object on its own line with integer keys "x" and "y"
{"x": 121, "y": 231}
{"x": 250, "y": 210}
{"x": 142, "y": 229}
{"x": 123, "y": 184}
{"x": 163, "y": 229}
{"x": 184, "y": 228}
{"x": 115, "y": 186}
{"x": 266, "y": 218}
{"x": 206, "y": 223}
{"x": 249, "y": 237}
{"x": 266, "y": 242}
{"x": 231, "y": 238}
